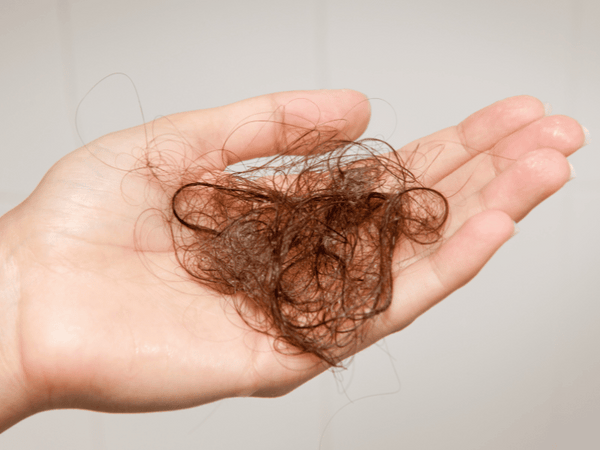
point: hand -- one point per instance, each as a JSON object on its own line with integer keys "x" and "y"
{"x": 94, "y": 314}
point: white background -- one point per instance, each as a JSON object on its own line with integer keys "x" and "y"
{"x": 512, "y": 361}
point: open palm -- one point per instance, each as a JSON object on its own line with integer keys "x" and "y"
{"x": 105, "y": 319}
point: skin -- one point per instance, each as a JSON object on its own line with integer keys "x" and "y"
{"x": 95, "y": 314}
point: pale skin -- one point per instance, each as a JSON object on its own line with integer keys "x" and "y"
{"x": 92, "y": 318}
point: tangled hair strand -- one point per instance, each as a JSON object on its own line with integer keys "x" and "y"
{"x": 307, "y": 241}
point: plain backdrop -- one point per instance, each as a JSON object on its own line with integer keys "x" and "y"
{"x": 512, "y": 361}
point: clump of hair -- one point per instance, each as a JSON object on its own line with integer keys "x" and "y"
{"x": 305, "y": 243}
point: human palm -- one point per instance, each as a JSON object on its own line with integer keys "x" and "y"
{"x": 106, "y": 318}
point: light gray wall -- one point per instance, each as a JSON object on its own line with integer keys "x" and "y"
{"x": 512, "y": 361}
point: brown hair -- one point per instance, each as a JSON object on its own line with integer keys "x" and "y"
{"x": 306, "y": 242}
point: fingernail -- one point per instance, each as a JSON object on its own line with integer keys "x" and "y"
{"x": 515, "y": 230}
{"x": 573, "y": 173}
{"x": 548, "y": 108}
{"x": 586, "y": 132}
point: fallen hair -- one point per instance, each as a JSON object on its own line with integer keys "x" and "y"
{"x": 305, "y": 244}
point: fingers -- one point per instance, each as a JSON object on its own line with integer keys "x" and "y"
{"x": 491, "y": 181}
{"x": 478, "y": 227}
{"x": 266, "y": 125}
{"x": 429, "y": 280}
{"x": 533, "y": 168}
{"x": 520, "y": 188}
{"x": 529, "y": 181}
{"x": 440, "y": 154}
{"x": 558, "y": 132}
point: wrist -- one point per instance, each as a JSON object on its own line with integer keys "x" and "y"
{"x": 15, "y": 397}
